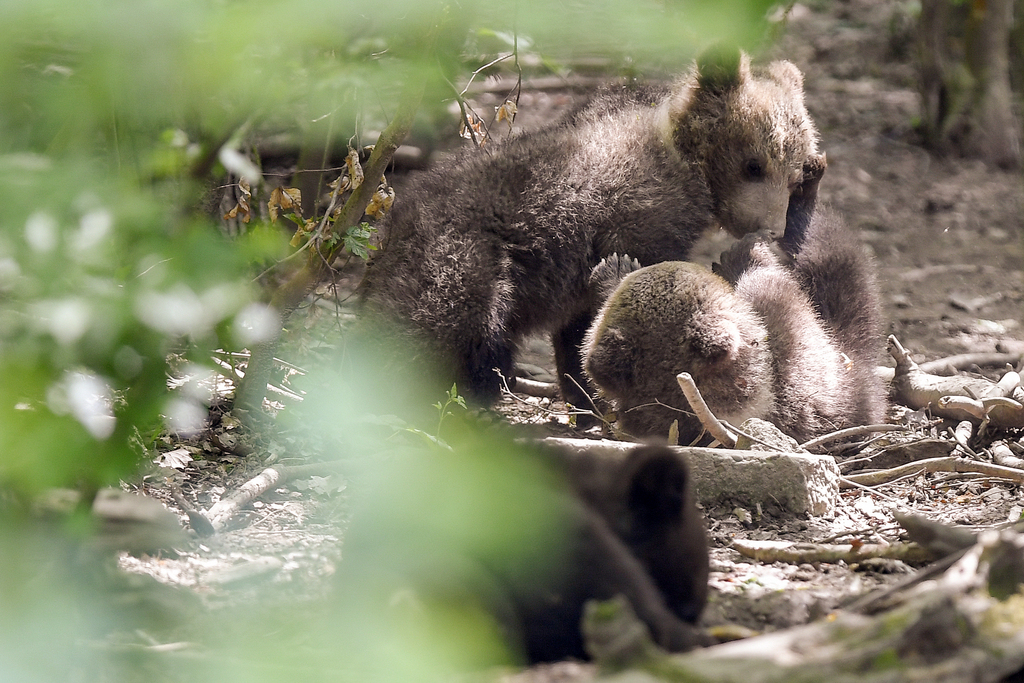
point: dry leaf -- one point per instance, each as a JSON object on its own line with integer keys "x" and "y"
{"x": 242, "y": 207}
{"x": 355, "y": 170}
{"x": 352, "y": 177}
{"x": 475, "y": 130}
{"x": 381, "y": 201}
{"x": 303, "y": 232}
{"x": 284, "y": 198}
{"x": 340, "y": 184}
{"x": 177, "y": 459}
{"x": 507, "y": 112}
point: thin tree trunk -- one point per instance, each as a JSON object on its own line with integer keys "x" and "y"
{"x": 994, "y": 134}
{"x": 253, "y": 387}
{"x": 931, "y": 37}
{"x": 966, "y": 98}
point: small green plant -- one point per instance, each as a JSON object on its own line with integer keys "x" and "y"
{"x": 357, "y": 240}
{"x": 444, "y": 409}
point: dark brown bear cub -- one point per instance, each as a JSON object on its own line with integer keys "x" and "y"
{"x": 551, "y": 530}
{"x": 498, "y": 243}
{"x": 795, "y": 343}
{"x": 638, "y": 534}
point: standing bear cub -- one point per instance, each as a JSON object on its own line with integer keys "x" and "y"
{"x": 792, "y": 340}
{"x": 497, "y": 243}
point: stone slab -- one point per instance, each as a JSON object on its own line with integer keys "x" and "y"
{"x": 796, "y": 482}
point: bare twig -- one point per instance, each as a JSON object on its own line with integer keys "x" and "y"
{"x": 873, "y": 529}
{"x": 548, "y": 411}
{"x": 853, "y": 431}
{"x": 703, "y": 413}
{"x": 845, "y": 483}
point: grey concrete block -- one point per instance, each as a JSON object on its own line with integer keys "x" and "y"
{"x": 796, "y": 482}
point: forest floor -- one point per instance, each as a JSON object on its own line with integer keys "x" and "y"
{"x": 946, "y": 236}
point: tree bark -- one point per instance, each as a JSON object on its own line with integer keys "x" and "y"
{"x": 935, "y": 98}
{"x": 994, "y": 134}
{"x": 965, "y": 84}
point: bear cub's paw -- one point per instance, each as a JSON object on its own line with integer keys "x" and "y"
{"x": 752, "y": 251}
{"x": 607, "y": 275}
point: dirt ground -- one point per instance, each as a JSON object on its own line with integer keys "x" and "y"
{"x": 946, "y": 235}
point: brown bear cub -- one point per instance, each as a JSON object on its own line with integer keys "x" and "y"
{"x": 638, "y": 534}
{"x": 612, "y": 527}
{"x": 794, "y": 340}
{"x": 497, "y": 243}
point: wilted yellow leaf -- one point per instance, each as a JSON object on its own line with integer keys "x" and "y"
{"x": 355, "y": 170}
{"x": 475, "y": 130}
{"x": 284, "y": 198}
{"x": 381, "y": 201}
{"x": 341, "y": 183}
{"x": 303, "y": 232}
{"x": 242, "y": 207}
{"x": 506, "y": 112}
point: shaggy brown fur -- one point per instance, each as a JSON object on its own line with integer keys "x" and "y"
{"x": 498, "y": 243}
{"x": 638, "y": 534}
{"x": 794, "y": 345}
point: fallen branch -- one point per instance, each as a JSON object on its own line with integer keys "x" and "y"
{"x": 962, "y": 434}
{"x": 1002, "y": 455}
{"x": 224, "y": 509}
{"x": 963, "y": 626}
{"x": 940, "y": 539}
{"x": 963, "y": 361}
{"x": 532, "y": 387}
{"x": 995, "y": 410}
{"x": 238, "y": 374}
{"x": 852, "y": 431}
{"x": 948, "y": 464}
{"x": 957, "y": 397}
{"x": 800, "y": 553}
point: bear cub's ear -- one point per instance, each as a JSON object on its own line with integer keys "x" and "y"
{"x": 713, "y": 338}
{"x": 785, "y": 73}
{"x": 611, "y": 363}
{"x": 721, "y": 68}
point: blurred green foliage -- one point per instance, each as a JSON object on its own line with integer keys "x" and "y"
{"x": 113, "y": 114}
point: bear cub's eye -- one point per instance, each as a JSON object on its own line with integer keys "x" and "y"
{"x": 754, "y": 169}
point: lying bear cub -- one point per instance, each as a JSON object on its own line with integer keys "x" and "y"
{"x": 792, "y": 339}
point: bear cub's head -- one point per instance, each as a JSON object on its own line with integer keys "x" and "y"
{"x": 747, "y": 130}
{"x": 676, "y": 317}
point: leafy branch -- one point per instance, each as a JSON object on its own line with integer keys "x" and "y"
{"x": 332, "y": 238}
